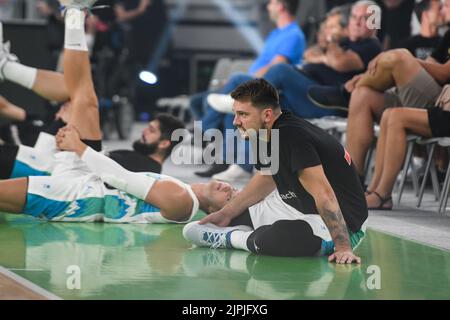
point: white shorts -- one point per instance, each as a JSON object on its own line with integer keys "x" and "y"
{"x": 273, "y": 209}
{"x": 31, "y": 162}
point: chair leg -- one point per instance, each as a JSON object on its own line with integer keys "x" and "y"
{"x": 435, "y": 182}
{"x": 409, "y": 154}
{"x": 444, "y": 193}
{"x": 430, "y": 150}
{"x": 414, "y": 177}
{"x": 368, "y": 159}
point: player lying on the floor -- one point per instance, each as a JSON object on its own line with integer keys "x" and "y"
{"x": 76, "y": 193}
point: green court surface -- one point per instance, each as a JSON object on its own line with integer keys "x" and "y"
{"x": 155, "y": 262}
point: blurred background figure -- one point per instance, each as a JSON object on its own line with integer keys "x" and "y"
{"x": 395, "y": 22}
{"x": 49, "y": 9}
{"x": 143, "y": 23}
{"x": 8, "y": 10}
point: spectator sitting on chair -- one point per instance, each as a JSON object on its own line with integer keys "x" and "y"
{"x": 284, "y": 45}
{"x": 421, "y": 46}
{"x": 341, "y": 62}
{"x": 416, "y": 83}
{"x": 334, "y": 27}
{"x": 395, "y": 124}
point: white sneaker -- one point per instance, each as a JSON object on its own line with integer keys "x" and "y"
{"x": 221, "y": 102}
{"x": 5, "y": 55}
{"x": 233, "y": 173}
{"x": 210, "y": 235}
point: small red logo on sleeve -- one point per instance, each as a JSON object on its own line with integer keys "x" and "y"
{"x": 348, "y": 158}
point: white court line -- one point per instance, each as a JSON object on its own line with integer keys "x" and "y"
{"x": 29, "y": 285}
{"x": 13, "y": 269}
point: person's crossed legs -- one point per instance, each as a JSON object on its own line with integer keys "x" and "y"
{"x": 414, "y": 88}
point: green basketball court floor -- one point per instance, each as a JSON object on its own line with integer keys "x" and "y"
{"x": 111, "y": 261}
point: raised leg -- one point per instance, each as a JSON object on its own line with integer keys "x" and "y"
{"x": 393, "y": 68}
{"x": 78, "y": 79}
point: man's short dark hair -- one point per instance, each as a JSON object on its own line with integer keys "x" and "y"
{"x": 167, "y": 125}
{"x": 421, "y": 7}
{"x": 290, "y": 5}
{"x": 260, "y": 93}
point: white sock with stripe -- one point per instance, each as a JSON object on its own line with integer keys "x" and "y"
{"x": 75, "y": 36}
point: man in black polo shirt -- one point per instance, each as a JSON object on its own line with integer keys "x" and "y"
{"x": 316, "y": 183}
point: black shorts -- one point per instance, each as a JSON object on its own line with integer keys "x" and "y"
{"x": 439, "y": 121}
{"x": 8, "y": 156}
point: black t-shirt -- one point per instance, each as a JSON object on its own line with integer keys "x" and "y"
{"x": 366, "y": 49}
{"x": 303, "y": 145}
{"x": 442, "y": 52}
{"x": 134, "y": 161}
{"x": 421, "y": 47}
{"x": 395, "y": 22}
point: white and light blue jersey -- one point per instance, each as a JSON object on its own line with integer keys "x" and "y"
{"x": 87, "y": 199}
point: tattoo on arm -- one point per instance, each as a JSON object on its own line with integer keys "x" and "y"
{"x": 337, "y": 227}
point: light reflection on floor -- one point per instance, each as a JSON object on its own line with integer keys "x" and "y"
{"x": 155, "y": 262}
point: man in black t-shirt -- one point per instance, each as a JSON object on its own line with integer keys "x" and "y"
{"x": 442, "y": 52}
{"x": 395, "y": 22}
{"x": 423, "y": 44}
{"x": 316, "y": 183}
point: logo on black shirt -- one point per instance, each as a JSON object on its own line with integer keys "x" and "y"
{"x": 348, "y": 158}
{"x": 288, "y": 195}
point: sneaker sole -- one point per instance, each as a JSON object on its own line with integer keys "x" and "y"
{"x": 318, "y": 104}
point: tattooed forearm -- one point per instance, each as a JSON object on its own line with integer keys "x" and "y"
{"x": 336, "y": 225}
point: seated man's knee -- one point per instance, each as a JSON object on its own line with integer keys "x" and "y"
{"x": 393, "y": 58}
{"x": 287, "y": 238}
{"x": 396, "y": 117}
{"x": 386, "y": 116}
{"x": 278, "y": 71}
{"x": 280, "y": 68}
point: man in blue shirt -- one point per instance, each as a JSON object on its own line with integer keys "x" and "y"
{"x": 285, "y": 44}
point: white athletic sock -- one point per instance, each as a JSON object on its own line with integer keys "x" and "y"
{"x": 75, "y": 37}
{"x": 20, "y": 74}
{"x": 239, "y": 238}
